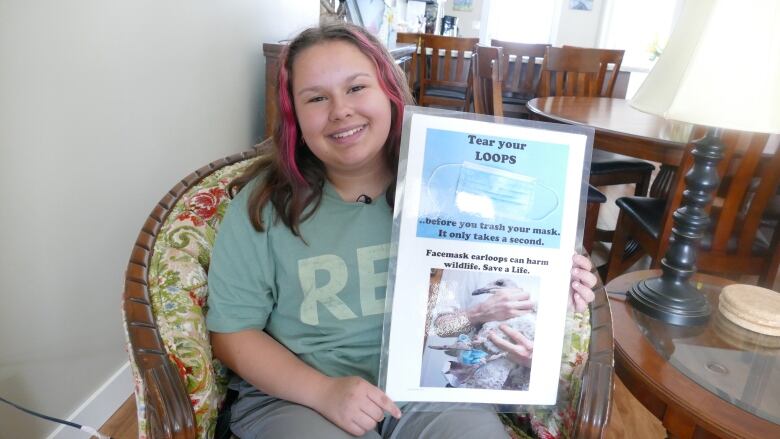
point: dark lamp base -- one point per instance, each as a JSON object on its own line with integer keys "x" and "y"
{"x": 676, "y": 303}
{"x": 671, "y": 298}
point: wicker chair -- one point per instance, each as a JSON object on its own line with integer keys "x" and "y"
{"x": 180, "y": 388}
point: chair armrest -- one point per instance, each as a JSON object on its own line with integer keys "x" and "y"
{"x": 168, "y": 406}
{"x": 165, "y": 403}
{"x": 596, "y": 392}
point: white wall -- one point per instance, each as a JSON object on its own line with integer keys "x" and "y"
{"x": 579, "y": 28}
{"x": 104, "y": 105}
{"x": 574, "y": 27}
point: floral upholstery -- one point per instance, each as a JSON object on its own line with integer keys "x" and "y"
{"x": 553, "y": 422}
{"x": 178, "y": 290}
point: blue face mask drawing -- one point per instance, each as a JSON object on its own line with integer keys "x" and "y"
{"x": 494, "y": 193}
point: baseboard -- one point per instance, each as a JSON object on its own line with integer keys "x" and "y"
{"x": 99, "y": 407}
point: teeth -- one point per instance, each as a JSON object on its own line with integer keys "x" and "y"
{"x": 347, "y": 133}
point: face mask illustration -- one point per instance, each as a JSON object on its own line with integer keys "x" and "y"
{"x": 494, "y": 193}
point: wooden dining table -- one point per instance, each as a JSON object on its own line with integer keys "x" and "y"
{"x": 622, "y": 129}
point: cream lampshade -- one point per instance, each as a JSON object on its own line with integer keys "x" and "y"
{"x": 720, "y": 69}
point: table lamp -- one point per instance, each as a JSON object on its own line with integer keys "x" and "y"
{"x": 720, "y": 69}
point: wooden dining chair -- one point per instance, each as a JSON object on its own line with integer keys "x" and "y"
{"x": 741, "y": 239}
{"x": 522, "y": 70}
{"x": 610, "y": 61}
{"x": 412, "y": 70}
{"x": 487, "y": 85}
{"x": 592, "y": 72}
{"x": 444, "y": 76}
{"x": 569, "y": 72}
{"x": 578, "y": 71}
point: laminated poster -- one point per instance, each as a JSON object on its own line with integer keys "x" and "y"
{"x": 483, "y": 210}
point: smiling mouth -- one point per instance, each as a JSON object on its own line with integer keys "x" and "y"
{"x": 345, "y": 134}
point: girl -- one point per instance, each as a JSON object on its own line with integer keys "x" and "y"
{"x": 298, "y": 271}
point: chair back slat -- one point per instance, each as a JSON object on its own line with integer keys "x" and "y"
{"x": 611, "y": 61}
{"x": 446, "y": 76}
{"x": 459, "y": 63}
{"x": 738, "y": 185}
{"x": 487, "y": 80}
{"x": 759, "y": 198}
{"x": 431, "y": 76}
{"x": 584, "y": 82}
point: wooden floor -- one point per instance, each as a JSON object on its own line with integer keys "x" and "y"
{"x": 123, "y": 424}
{"x": 629, "y": 419}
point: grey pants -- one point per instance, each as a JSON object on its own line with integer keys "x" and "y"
{"x": 256, "y": 415}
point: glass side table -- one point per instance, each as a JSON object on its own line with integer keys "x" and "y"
{"x": 714, "y": 380}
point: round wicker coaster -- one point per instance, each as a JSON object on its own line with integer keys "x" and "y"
{"x": 742, "y": 338}
{"x": 751, "y": 307}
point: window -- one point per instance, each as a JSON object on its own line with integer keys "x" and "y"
{"x": 640, "y": 27}
{"x": 524, "y": 21}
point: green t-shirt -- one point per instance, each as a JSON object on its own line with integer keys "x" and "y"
{"x": 323, "y": 299}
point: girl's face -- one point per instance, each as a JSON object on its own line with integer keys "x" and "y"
{"x": 343, "y": 113}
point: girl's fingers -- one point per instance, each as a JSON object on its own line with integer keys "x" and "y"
{"x": 584, "y": 277}
{"x": 385, "y": 403}
{"x": 582, "y": 262}
{"x": 364, "y": 421}
{"x": 583, "y": 291}
{"x": 373, "y": 411}
{"x": 580, "y": 305}
{"x": 589, "y": 279}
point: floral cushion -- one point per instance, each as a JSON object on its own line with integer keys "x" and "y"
{"x": 178, "y": 290}
{"x": 554, "y": 422}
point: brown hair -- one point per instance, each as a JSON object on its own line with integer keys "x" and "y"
{"x": 292, "y": 176}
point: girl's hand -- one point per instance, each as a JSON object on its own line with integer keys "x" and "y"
{"x": 520, "y": 350}
{"x": 582, "y": 283}
{"x": 354, "y": 404}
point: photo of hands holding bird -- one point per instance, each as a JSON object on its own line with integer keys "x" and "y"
{"x": 480, "y": 330}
